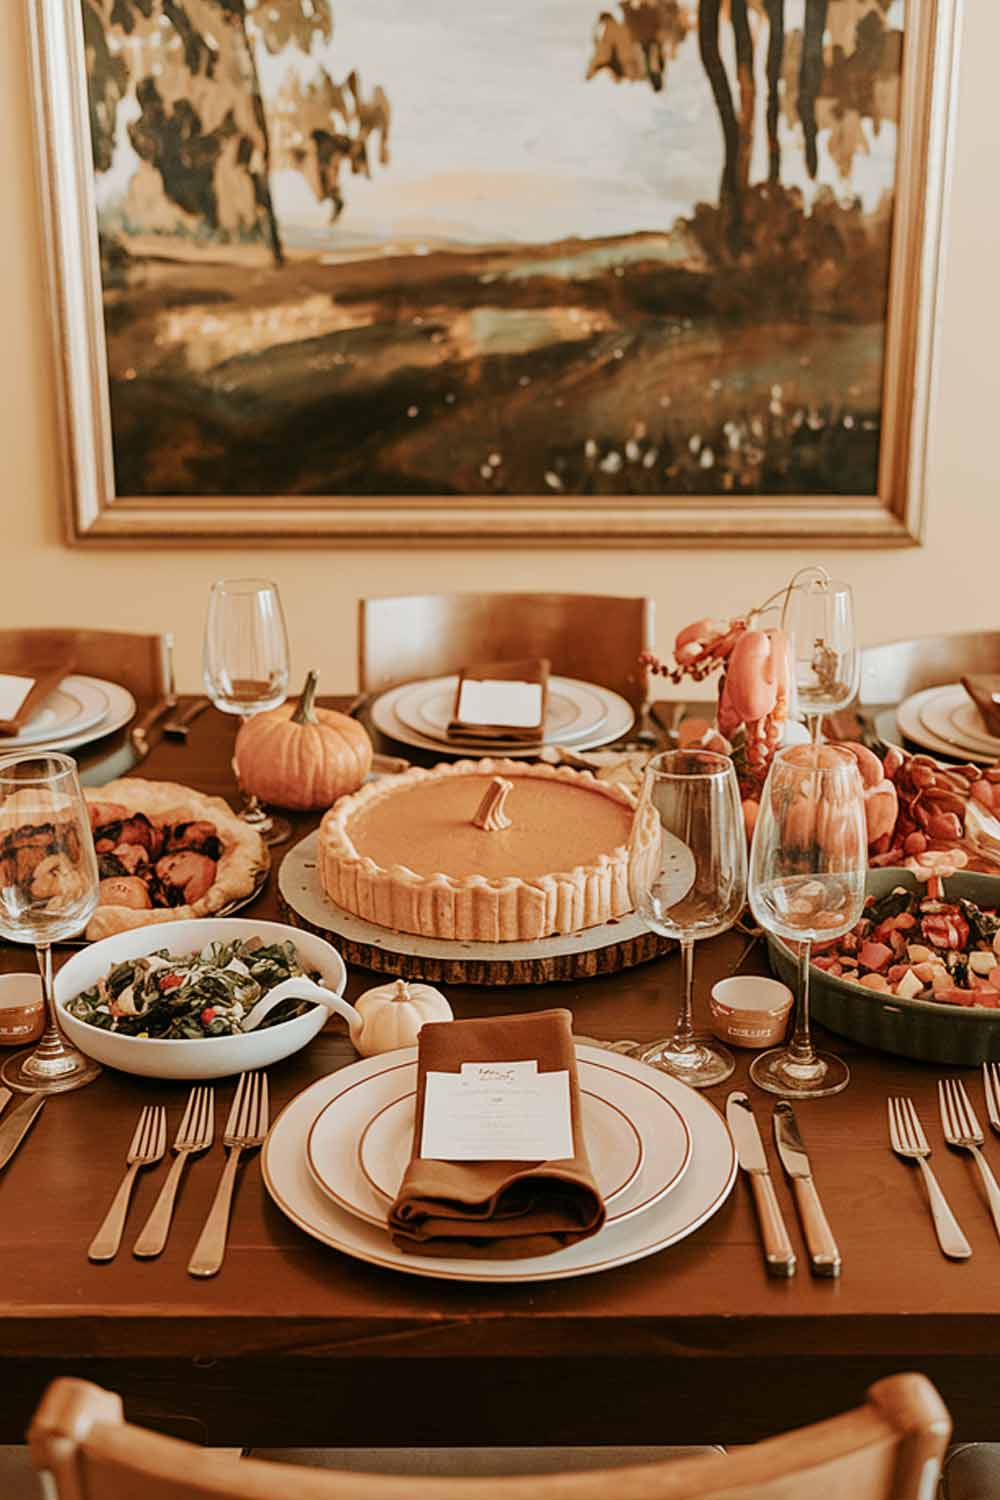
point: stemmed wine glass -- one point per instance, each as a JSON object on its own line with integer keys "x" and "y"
{"x": 808, "y": 866}
{"x": 245, "y": 666}
{"x": 818, "y": 618}
{"x": 48, "y": 892}
{"x": 687, "y": 879}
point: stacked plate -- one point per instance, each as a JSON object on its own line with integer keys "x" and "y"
{"x": 945, "y": 721}
{"x": 80, "y": 710}
{"x": 662, "y": 1155}
{"x": 579, "y": 715}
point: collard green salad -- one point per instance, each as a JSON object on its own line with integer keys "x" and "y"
{"x": 198, "y": 995}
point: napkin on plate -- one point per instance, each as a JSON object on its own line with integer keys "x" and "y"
{"x": 981, "y": 689}
{"x": 25, "y": 685}
{"x": 501, "y": 700}
{"x": 496, "y": 1209}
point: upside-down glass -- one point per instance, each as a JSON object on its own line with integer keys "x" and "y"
{"x": 245, "y": 666}
{"x": 688, "y": 879}
{"x": 808, "y": 866}
{"x": 818, "y": 618}
{"x": 48, "y": 892}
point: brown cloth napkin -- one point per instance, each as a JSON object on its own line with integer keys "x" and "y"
{"x": 530, "y": 669}
{"x": 981, "y": 689}
{"x": 496, "y": 1209}
{"x": 45, "y": 676}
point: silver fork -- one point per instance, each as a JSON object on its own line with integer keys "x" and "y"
{"x": 961, "y": 1130}
{"x": 245, "y": 1129}
{"x": 194, "y": 1134}
{"x": 147, "y": 1147}
{"x": 991, "y": 1085}
{"x": 908, "y": 1140}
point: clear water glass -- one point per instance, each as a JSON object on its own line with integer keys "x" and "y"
{"x": 48, "y": 892}
{"x": 818, "y": 619}
{"x": 246, "y": 666}
{"x": 688, "y": 880}
{"x": 808, "y": 867}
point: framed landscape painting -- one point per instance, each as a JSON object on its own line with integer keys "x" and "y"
{"x": 526, "y": 271}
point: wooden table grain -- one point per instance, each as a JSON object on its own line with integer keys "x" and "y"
{"x": 295, "y": 1344}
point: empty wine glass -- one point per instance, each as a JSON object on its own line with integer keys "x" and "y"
{"x": 245, "y": 666}
{"x": 687, "y": 879}
{"x": 48, "y": 892}
{"x": 808, "y": 866}
{"x": 818, "y": 618}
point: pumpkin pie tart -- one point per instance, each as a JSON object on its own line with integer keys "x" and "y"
{"x": 481, "y": 851}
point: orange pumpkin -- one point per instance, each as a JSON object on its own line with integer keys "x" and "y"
{"x": 303, "y": 756}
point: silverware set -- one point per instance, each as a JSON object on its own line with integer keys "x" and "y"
{"x": 245, "y": 1130}
{"x": 779, "y": 1255}
{"x": 962, "y": 1131}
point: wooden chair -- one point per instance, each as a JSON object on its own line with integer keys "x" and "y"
{"x": 889, "y": 1449}
{"x": 892, "y": 672}
{"x": 596, "y": 637}
{"x": 137, "y": 662}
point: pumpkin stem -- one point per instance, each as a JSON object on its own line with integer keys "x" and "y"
{"x": 401, "y": 991}
{"x": 305, "y": 713}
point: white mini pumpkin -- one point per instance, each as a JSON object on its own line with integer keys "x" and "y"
{"x": 394, "y": 1013}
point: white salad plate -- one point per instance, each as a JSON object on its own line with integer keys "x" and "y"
{"x": 952, "y": 715}
{"x": 76, "y": 704}
{"x": 909, "y": 718}
{"x": 669, "y": 1216}
{"x": 617, "y": 721}
{"x": 573, "y": 710}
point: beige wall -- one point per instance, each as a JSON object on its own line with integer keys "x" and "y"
{"x": 952, "y": 582}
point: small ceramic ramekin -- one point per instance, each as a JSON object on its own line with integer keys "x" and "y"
{"x": 22, "y": 1010}
{"x": 749, "y": 1010}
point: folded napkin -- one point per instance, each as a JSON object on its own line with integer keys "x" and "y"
{"x": 25, "y": 685}
{"x": 496, "y": 1209}
{"x": 981, "y": 689}
{"x": 503, "y": 700}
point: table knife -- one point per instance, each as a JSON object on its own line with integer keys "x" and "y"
{"x": 163, "y": 706}
{"x": 779, "y": 1257}
{"x": 5, "y": 1097}
{"x": 824, "y": 1256}
{"x": 178, "y": 724}
{"x": 17, "y": 1124}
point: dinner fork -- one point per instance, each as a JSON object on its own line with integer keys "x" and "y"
{"x": 193, "y": 1134}
{"x": 961, "y": 1130}
{"x": 991, "y": 1086}
{"x": 245, "y": 1129}
{"x": 149, "y": 1142}
{"x": 908, "y": 1140}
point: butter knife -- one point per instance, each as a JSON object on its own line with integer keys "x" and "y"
{"x": 779, "y": 1257}
{"x": 17, "y": 1124}
{"x": 5, "y": 1097}
{"x": 824, "y": 1256}
{"x": 162, "y": 706}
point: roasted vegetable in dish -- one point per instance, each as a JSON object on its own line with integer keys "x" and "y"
{"x": 199, "y": 995}
{"x": 920, "y": 947}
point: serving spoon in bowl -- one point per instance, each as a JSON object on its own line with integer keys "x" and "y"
{"x": 300, "y": 988}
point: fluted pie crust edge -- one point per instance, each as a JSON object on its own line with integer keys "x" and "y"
{"x": 472, "y": 908}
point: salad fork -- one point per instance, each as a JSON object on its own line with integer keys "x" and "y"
{"x": 991, "y": 1087}
{"x": 906, "y": 1135}
{"x": 194, "y": 1134}
{"x": 245, "y": 1130}
{"x": 148, "y": 1145}
{"x": 961, "y": 1130}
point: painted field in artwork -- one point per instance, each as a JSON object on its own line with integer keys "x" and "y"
{"x": 530, "y": 247}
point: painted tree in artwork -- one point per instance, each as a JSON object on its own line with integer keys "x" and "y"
{"x": 206, "y": 138}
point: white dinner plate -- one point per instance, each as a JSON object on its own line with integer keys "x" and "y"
{"x": 951, "y": 714}
{"x": 699, "y": 1194}
{"x": 618, "y": 721}
{"x": 76, "y": 704}
{"x": 573, "y": 711}
{"x": 911, "y": 724}
{"x": 627, "y": 1128}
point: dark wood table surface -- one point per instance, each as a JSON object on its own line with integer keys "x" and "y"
{"x": 293, "y": 1343}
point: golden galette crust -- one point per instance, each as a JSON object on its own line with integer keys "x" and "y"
{"x": 243, "y": 859}
{"x": 472, "y": 908}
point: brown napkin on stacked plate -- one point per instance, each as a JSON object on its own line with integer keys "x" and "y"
{"x": 532, "y": 670}
{"x": 981, "y": 689}
{"x": 40, "y": 678}
{"x": 496, "y": 1209}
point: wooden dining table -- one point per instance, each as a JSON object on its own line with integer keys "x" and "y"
{"x": 293, "y": 1343}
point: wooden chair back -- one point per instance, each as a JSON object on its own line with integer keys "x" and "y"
{"x": 596, "y": 637}
{"x": 889, "y": 1449}
{"x": 892, "y": 672}
{"x": 137, "y": 662}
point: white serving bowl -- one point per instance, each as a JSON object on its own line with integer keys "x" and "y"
{"x": 195, "y": 1057}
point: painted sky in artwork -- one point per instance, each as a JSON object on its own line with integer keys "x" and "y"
{"x": 497, "y": 135}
